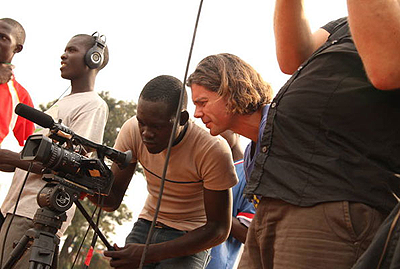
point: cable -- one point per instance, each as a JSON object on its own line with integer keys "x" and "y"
{"x": 94, "y": 239}
{"x": 101, "y": 202}
{"x": 14, "y": 211}
{"x": 83, "y": 240}
{"x": 62, "y": 94}
{"x": 171, "y": 140}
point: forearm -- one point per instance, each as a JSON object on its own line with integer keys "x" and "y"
{"x": 193, "y": 242}
{"x": 375, "y": 27}
{"x": 238, "y": 230}
{"x": 122, "y": 178}
{"x": 293, "y": 36}
{"x": 10, "y": 160}
{"x": 109, "y": 203}
{"x": 7, "y": 168}
{"x": 218, "y": 208}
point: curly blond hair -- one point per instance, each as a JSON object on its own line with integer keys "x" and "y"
{"x": 233, "y": 79}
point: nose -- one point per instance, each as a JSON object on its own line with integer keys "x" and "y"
{"x": 63, "y": 56}
{"x": 147, "y": 133}
{"x": 198, "y": 112}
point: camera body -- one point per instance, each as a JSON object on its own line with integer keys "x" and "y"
{"x": 64, "y": 153}
{"x": 90, "y": 175}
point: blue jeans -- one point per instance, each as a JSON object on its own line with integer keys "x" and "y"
{"x": 139, "y": 235}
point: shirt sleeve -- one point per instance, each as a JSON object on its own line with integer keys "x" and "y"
{"x": 244, "y": 208}
{"x": 216, "y": 167}
{"x": 23, "y": 127}
{"x": 127, "y": 137}
{"x": 331, "y": 26}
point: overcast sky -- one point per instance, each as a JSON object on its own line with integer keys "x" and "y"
{"x": 147, "y": 38}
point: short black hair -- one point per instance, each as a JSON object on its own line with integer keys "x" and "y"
{"x": 90, "y": 41}
{"x": 166, "y": 89}
{"x": 19, "y": 30}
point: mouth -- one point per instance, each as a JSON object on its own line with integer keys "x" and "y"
{"x": 207, "y": 124}
{"x": 63, "y": 65}
{"x": 151, "y": 147}
{"x": 148, "y": 143}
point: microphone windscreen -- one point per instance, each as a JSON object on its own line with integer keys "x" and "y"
{"x": 34, "y": 115}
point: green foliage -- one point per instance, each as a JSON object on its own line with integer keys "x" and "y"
{"x": 47, "y": 106}
{"x": 119, "y": 112}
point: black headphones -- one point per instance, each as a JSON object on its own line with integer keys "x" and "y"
{"x": 94, "y": 57}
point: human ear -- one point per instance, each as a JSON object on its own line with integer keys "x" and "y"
{"x": 18, "y": 48}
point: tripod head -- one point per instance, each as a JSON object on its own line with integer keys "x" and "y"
{"x": 54, "y": 200}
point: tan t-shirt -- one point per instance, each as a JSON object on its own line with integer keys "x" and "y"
{"x": 85, "y": 114}
{"x": 198, "y": 161}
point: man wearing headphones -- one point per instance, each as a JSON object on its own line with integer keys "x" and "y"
{"x": 82, "y": 111}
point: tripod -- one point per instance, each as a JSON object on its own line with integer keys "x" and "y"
{"x": 54, "y": 200}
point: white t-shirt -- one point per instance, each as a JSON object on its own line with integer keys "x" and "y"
{"x": 84, "y": 113}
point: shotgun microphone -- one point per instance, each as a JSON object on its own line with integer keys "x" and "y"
{"x": 34, "y": 115}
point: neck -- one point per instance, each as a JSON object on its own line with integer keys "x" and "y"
{"x": 181, "y": 134}
{"x": 83, "y": 84}
{"x": 248, "y": 125}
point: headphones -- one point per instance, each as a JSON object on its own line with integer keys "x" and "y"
{"x": 94, "y": 57}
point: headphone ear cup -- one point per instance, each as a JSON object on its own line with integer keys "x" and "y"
{"x": 94, "y": 57}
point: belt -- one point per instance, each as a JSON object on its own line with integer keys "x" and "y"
{"x": 160, "y": 225}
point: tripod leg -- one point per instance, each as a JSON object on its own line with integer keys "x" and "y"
{"x": 43, "y": 250}
{"x": 18, "y": 251}
{"x": 93, "y": 225}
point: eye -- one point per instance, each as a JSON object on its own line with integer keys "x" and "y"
{"x": 71, "y": 49}
{"x": 200, "y": 103}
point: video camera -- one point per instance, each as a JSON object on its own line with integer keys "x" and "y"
{"x": 63, "y": 153}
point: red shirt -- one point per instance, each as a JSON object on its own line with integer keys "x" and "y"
{"x": 11, "y": 94}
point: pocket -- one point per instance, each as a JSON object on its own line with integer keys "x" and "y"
{"x": 337, "y": 215}
{"x": 364, "y": 220}
{"x": 352, "y": 222}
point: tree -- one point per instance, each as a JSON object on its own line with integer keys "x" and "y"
{"x": 119, "y": 112}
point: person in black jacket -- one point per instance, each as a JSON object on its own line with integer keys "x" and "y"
{"x": 328, "y": 157}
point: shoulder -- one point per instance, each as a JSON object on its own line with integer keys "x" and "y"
{"x": 129, "y": 124}
{"x": 86, "y": 101}
{"x": 94, "y": 98}
{"x": 128, "y": 137}
{"x": 204, "y": 140}
{"x": 22, "y": 93}
{"x": 129, "y": 129}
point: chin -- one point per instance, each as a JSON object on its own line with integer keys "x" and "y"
{"x": 154, "y": 150}
{"x": 214, "y": 132}
{"x": 64, "y": 76}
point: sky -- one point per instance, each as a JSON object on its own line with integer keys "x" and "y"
{"x": 146, "y": 39}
